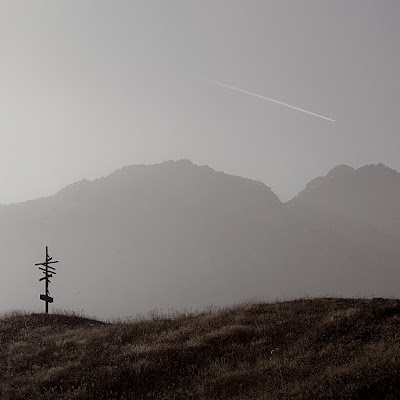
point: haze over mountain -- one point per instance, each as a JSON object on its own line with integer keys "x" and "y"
{"x": 179, "y": 235}
{"x": 356, "y": 214}
{"x": 369, "y": 196}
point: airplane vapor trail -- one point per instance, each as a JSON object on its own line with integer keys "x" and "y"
{"x": 224, "y": 85}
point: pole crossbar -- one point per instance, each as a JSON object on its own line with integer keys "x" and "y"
{"x": 47, "y": 263}
{"x": 46, "y": 277}
{"x": 51, "y": 272}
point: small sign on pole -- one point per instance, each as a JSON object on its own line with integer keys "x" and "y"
{"x": 46, "y": 298}
{"x": 48, "y": 271}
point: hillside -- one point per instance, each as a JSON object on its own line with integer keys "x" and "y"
{"x": 304, "y": 349}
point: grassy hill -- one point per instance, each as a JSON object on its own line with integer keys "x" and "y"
{"x": 304, "y": 349}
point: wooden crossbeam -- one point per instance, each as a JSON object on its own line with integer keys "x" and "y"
{"x": 46, "y": 263}
{"x": 48, "y": 272}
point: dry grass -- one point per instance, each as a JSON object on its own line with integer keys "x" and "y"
{"x": 302, "y": 349}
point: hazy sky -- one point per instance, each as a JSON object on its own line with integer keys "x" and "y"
{"x": 87, "y": 87}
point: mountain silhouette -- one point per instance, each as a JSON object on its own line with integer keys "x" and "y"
{"x": 355, "y": 214}
{"x": 368, "y": 195}
{"x": 180, "y": 235}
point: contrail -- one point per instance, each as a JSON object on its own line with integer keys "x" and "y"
{"x": 224, "y": 85}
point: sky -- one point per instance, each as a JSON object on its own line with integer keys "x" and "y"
{"x": 89, "y": 86}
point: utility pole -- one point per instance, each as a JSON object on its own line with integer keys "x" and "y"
{"x": 48, "y": 271}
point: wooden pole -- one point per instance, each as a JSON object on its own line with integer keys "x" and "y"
{"x": 47, "y": 280}
{"x": 48, "y": 271}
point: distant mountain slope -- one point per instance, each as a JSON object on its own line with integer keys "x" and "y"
{"x": 179, "y": 235}
{"x": 368, "y": 195}
{"x": 356, "y": 216}
{"x": 171, "y": 234}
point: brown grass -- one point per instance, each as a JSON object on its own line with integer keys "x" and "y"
{"x": 303, "y": 349}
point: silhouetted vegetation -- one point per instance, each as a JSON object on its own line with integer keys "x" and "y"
{"x": 302, "y": 349}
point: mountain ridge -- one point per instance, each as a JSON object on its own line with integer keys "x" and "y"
{"x": 176, "y": 234}
{"x": 338, "y": 171}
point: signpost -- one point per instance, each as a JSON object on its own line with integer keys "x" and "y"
{"x": 48, "y": 271}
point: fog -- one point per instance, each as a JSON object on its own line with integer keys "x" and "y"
{"x": 271, "y": 95}
{"x": 177, "y": 236}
